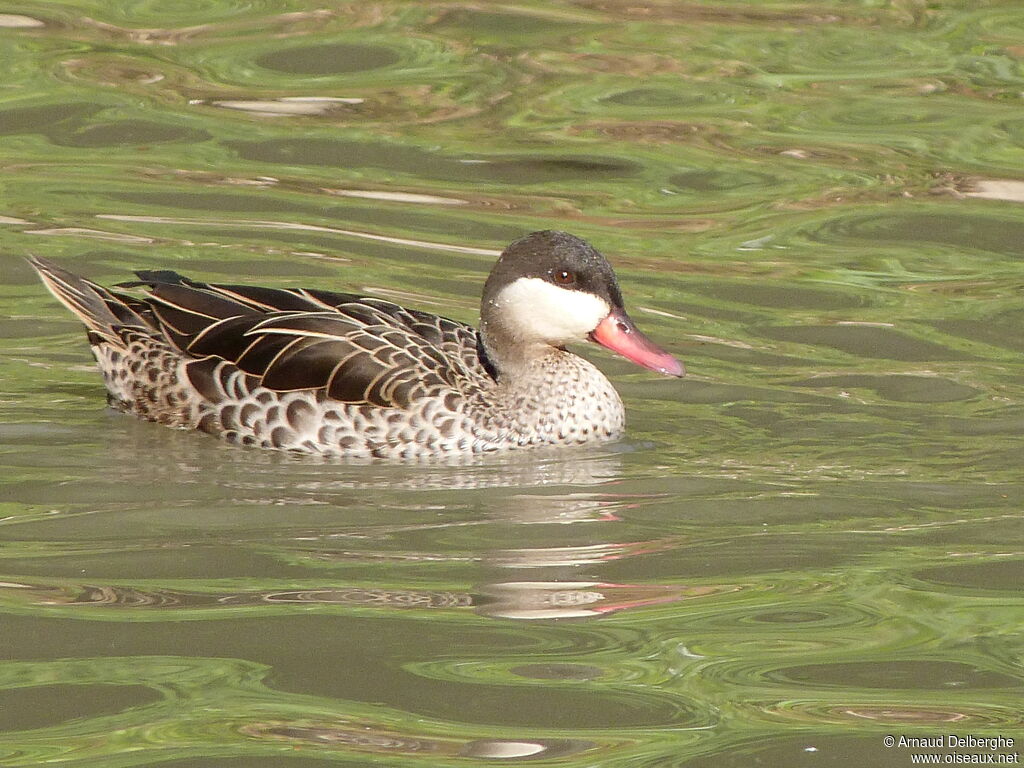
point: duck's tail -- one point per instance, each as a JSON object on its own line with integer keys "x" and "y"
{"x": 103, "y": 312}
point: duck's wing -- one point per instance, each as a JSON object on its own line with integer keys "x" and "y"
{"x": 353, "y": 349}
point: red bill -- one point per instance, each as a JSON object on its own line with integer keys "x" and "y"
{"x": 618, "y": 333}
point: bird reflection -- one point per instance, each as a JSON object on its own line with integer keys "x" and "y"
{"x": 552, "y": 579}
{"x": 528, "y": 583}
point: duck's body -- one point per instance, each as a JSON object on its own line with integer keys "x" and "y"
{"x": 363, "y": 378}
{"x": 344, "y": 375}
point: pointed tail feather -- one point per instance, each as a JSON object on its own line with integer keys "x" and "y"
{"x": 100, "y": 310}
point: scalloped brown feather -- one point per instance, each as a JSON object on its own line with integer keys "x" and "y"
{"x": 360, "y": 350}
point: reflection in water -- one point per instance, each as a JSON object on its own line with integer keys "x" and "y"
{"x": 329, "y": 59}
{"x": 15, "y": 20}
{"x": 284, "y": 225}
{"x": 531, "y": 600}
{"x": 814, "y": 539}
{"x": 288, "y": 105}
{"x": 554, "y": 592}
{"x": 364, "y": 738}
{"x": 361, "y": 737}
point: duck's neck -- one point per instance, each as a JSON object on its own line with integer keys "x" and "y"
{"x": 513, "y": 358}
{"x": 541, "y": 374}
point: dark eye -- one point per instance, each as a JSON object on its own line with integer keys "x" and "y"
{"x": 563, "y": 277}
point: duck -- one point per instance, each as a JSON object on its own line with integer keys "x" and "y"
{"x": 339, "y": 374}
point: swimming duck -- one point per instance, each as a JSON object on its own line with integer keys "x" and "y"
{"x": 354, "y": 376}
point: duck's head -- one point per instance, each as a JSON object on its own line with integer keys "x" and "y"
{"x": 550, "y": 289}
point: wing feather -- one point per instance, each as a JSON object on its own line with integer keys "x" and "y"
{"x": 267, "y": 299}
{"x": 349, "y": 348}
{"x": 261, "y": 353}
{"x": 323, "y": 324}
{"x": 352, "y": 377}
{"x": 226, "y": 338}
{"x": 195, "y": 301}
{"x": 304, "y": 364}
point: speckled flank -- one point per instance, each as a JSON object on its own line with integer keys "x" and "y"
{"x": 582, "y": 410}
{"x": 568, "y": 403}
{"x": 143, "y": 377}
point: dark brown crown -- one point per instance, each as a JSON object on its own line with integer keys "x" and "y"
{"x": 549, "y": 255}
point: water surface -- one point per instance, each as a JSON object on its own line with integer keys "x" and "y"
{"x": 812, "y": 541}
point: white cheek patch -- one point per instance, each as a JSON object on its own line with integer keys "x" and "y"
{"x": 532, "y": 309}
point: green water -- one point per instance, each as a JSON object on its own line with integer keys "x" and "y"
{"x": 812, "y": 541}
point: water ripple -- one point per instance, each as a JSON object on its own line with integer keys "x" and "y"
{"x": 811, "y": 541}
